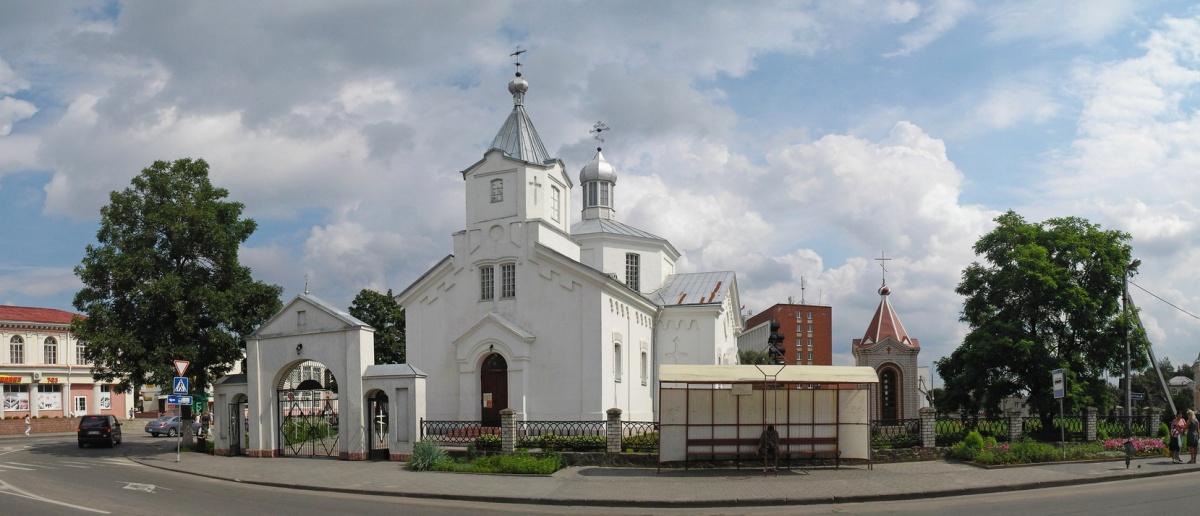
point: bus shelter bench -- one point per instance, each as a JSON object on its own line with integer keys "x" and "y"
{"x": 798, "y": 448}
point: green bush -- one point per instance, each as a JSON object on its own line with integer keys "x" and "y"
{"x": 511, "y": 463}
{"x": 488, "y": 442}
{"x": 1102, "y": 435}
{"x": 427, "y": 455}
{"x": 549, "y": 442}
{"x": 1163, "y": 431}
{"x": 644, "y": 442}
{"x": 973, "y": 439}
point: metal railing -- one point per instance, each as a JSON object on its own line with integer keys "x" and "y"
{"x": 562, "y": 435}
{"x": 896, "y": 433}
{"x": 456, "y": 433}
{"x": 639, "y": 436}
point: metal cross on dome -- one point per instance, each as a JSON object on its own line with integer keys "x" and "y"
{"x": 883, "y": 259}
{"x": 517, "y": 55}
{"x": 597, "y": 129}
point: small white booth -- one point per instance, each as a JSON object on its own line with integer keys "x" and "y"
{"x": 714, "y": 412}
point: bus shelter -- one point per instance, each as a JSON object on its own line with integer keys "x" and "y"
{"x": 714, "y": 412}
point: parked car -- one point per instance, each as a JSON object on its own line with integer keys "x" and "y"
{"x": 99, "y": 429}
{"x": 170, "y": 425}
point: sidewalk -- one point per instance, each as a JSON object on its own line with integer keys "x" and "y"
{"x": 630, "y": 487}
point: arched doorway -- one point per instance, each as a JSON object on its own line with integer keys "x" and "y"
{"x": 377, "y": 426}
{"x": 308, "y": 411}
{"x": 888, "y": 395}
{"x": 493, "y": 389}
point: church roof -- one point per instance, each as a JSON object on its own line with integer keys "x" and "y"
{"x": 698, "y": 288}
{"x": 610, "y": 226}
{"x": 886, "y": 324}
{"x": 517, "y": 138}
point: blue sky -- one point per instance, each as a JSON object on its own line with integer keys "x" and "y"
{"x": 779, "y": 140}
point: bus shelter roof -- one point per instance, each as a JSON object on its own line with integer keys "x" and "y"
{"x": 806, "y": 374}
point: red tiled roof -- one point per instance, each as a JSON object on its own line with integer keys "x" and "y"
{"x": 886, "y": 324}
{"x": 35, "y": 315}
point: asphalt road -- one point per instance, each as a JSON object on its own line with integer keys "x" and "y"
{"x": 51, "y": 475}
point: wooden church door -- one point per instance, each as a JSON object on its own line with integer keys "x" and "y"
{"x": 493, "y": 386}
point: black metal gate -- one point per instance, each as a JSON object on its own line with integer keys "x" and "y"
{"x": 239, "y": 428}
{"x": 308, "y": 423}
{"x": 377, "y": 426}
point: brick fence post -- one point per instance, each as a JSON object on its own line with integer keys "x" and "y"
{"x": 613, "y": 430}
{"x": 1015, "y": 426}
{"x": 508, "y": 430}
{"x": 1089, "y": 423}
{"x": 928, "y": 427}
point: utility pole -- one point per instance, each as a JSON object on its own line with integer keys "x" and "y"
{"x": 1125, "y": 310}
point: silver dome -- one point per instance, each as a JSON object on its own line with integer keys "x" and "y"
{"x": 598, "y": 169}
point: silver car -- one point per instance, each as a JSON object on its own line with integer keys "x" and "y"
{"x": 170, "y": 425}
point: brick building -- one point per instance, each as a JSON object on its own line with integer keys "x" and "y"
{"x": 807, "y": 331}
{"x": 886, "y": 347}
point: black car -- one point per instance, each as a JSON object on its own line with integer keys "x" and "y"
{"x": 99, "y": 429}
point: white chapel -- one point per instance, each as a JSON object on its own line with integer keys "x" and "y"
{"x": 557, "y": 321}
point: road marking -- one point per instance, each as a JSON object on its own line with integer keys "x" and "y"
{"x": 137, "y": 486}
{"x": 31, "y": 465}
{"x": 16, "y": 467}
{"x": 9, "y": 489}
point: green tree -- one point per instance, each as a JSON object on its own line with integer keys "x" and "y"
{"x": 1047, "y": 297}
{"x": 753, "y": 356}
{"x": 384, "y": 314}
{"x": 163, "y": 282}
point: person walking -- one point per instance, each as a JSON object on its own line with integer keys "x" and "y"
{"x": 1178, "y": 427}
{"x": 768, "y": 447}
{"x": 28, "y": 426}
{"x": 1193, "y": 434}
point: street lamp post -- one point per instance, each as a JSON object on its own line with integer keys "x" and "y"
{"x": 1125, "y": 310}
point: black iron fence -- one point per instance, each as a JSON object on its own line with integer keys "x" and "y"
{"x": 896, "y": 433}
{"x": 459, "y": 433}
{"x": 562, "y": 435}
{"x": 949, "y": 431}
{"x": 639, "y": 436}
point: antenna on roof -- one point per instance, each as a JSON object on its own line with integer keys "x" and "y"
{"x": 597, "y": 130}
{"x": 802, "y": 290}
{"x": 306, "y": 283}
{"x": 517, "y": 55}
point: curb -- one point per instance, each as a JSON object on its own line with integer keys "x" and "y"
{"x": 689, "y": 504}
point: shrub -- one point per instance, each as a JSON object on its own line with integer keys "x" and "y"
{"x": 426, "y": 455}
{"x": 1102, "y": 435}
{"x": 644, "y": 442}
{"x": 1163, "y": 431}
{"x": 974, "y": 440}
{"x": 488, "y": 442}
{"x": 513, "y": 463}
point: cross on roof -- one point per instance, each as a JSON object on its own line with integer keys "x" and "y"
{"x": 597, "y": 129}
{"x": 517, "y": 55}
{"x": 883, "y": 259}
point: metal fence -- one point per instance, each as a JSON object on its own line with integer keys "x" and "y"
{"x": 457, "y": 433}
{"x": 639, "y": 436}
{"x": 896, "y": 433}
{"x": 562, "y": 435}
{"x": 1070, "y": 428}
{"x": 950, "y": 431}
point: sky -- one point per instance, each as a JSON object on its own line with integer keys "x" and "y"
{"x": 793, "y": 143}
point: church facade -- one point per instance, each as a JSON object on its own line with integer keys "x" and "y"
{"x": 557, "y": 321}
{"x": 887, "y": 348}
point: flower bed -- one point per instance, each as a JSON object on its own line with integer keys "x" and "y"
{"x": 987, "y": 451}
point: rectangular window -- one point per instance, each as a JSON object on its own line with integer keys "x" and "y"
{"x": 810, "y": 316}
{"x": 633, "y": 271}
{"x": 617, "y": 362}
{"x": 645, "y": 368}
{"x": 604, "y": 194}
{"x": 497, "y": 190}
{"x": 555, "y": 201}
{"x": 80, "y": 405}
{"x": 810, "y": 356}
{"x": 487, "y": 283}
{"x": 508, "y": 281}
{"x": 16, "y": 397}
{"x": 79, "y": 354}
{"x": 49, "y": 397}
{"x": 301, "y": 318}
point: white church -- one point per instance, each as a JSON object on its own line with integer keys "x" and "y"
{"x": 557, "y": 321}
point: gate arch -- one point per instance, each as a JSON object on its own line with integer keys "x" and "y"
{"x": 309, "y": 422}
{"x": 493, "y": 389}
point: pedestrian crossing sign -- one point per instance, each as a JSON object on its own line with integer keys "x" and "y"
{"x": 181, "y": 385}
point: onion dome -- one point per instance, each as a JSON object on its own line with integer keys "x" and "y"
{"x": 598, "y": 169}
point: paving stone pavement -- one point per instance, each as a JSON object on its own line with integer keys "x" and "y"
{"x": 642, "y": 487}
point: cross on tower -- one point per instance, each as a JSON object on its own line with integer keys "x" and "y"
{"x": 517, "y": 55}
{"x": 883, "y": 259}
{"x": 536, "y": 189}
{"x": 597, "y": 130}
{"x": 676, "y": 355}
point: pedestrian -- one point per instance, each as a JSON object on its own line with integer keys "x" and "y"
{"x": 204, "y": 422}
{"x": 131, "y": 413}
{"x": 1178, "y": 427}
{"x": 28, "y": 426}
{"x": 768, "y": 447}
{"x": 1193, "y": 434}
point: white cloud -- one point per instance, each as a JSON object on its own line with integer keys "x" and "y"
{"x": 938, "y": 19}
{"x": 1062, "y": 21}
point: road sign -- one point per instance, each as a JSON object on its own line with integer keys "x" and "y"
{"x": 1060, "y": 384}
{"x": 1137, "y": 396}
{"x": 181, "y": 366}
{"x": 179, "y": 400}
{"x": 181, "y": 385}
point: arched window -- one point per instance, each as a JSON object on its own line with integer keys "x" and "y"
{"x": 645, "y": 368}
{"x": 887, "y": 395}
{"x": 50, "y": 351}
{"x": 16, "y": 349}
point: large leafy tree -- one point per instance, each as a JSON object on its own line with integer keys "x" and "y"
{"x": 1046, "y": 297}
{"x": 384, "y": 314}
{"x": 163, "y": 282}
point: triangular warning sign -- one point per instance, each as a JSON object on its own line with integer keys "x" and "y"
{"x": 181, "y": 366}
